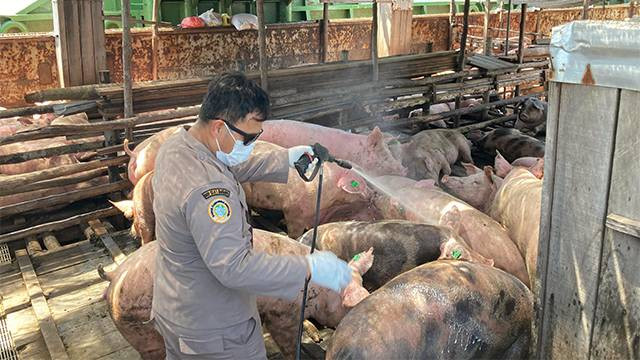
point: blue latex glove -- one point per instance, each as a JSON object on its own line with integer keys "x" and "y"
{"x": 297, "y": 151}
{"x": 328, "y": 271}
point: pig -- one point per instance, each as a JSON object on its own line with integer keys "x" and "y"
{"x": 35, "y": 164}
{"x": 39, "y": 194}
{"x": 431, "y": 152}
{"x": 130, "y": 293}
{"x": 370, "y": 152}
{"x": 143, "y": 158}
{"x": 516, "y": 205}
{"x": 445, "y": 107}
{"x": 140, "y": 209}
{"x": 13, "y": 125}
{"x": 344, "y": 195}
{"x": 477, "y": 188}
{"x": 439, "y": 310}
{"x": 399, "y": 245}
{"x": 427, "y": 204}
{"x": 533, "y": 164}
{"x": 511, "y": 143}
{"x": 532, "y": 116}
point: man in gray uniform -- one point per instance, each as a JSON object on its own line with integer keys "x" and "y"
{"x": 207, "y": 274}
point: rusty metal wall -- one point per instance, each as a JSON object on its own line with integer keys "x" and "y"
{"x": 27, "y": 63}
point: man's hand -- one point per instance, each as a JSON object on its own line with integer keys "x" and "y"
{"x": 297, "y": 151}
{"x": 328, "y": 271}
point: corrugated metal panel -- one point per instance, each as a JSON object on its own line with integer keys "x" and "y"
{"x": 603, "y": 53}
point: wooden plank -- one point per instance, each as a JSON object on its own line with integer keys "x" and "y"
{"x": 60, "y": 35}
{"x": 50, "y": 241}
{"x": 26, "y": 335}
{"x": 108, "y": 242}
{"x": 126, "y": 353}
{"x": 100, "y": 54}
{"x": 578, "y": 215}
{"x": 12, "y": 292}
{"x": 74, "y": 51}
{"x": 40, "y": 307}
{"x": 617, "y": 319}
{"x": 543, "y": 306}
{"x": 85, "y": 24}
{"x": 72, "y": 278}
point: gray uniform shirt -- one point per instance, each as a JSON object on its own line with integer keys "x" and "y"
{"x": 207, "y": 273}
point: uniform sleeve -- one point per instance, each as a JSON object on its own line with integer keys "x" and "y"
{"x": 216, "y": 226}
{"x": 270, "y": 166}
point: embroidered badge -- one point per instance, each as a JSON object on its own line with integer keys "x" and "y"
{"x": 219, "y": 211}
{"x": 216, "y": 191}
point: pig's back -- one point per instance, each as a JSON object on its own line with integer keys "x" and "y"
{"x": 443, "y": 309}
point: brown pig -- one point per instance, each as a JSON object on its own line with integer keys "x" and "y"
{"x": 140, "y": 209}
{"x": 431, "y": 152}
{"x": 129, "y": 298}
{"x": 511, "y": 143}
{"x": 440, "y": 310}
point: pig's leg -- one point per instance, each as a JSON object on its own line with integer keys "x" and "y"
{"x": 283, "y": 328}
{"x": 464, "y": 149}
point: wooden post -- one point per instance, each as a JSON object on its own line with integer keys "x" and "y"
{"x": 452, "y": 24}
{"x": 537, "y": 30}
{"x": 632, "y": 8}
{"x": 461, "y": 55}
{"x": 126, "y": 59}
{"x": 585, "y": 9}
{"x": 324, "y": 33}
{"x": 262, "y": 45}
{"x": 374, "y": 41}
{"x": 523, "y": 22}
{"x": 154, "y": 39}
{"x": 506, "y": 40}
{"x": 394, "y": 27}
{"x": 485, "y": 30}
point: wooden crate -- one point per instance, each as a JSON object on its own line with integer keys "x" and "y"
{"x": 588, "y": 284}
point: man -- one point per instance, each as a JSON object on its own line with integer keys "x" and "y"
{"x": 207, "y": 274}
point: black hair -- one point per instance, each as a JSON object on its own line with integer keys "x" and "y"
{"x": 231, "y": 96}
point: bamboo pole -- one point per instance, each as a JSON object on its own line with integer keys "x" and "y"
{"x": 65, "y": 198}
{"x": 24, "y": 111}
{"x": 11, "y": 182}
{"x": 262, "y": 45}
{"x": 58, "y": 225}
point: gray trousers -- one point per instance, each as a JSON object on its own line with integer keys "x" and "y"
{"x": 242, "y": 342}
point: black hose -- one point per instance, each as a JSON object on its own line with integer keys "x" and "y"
{"x": 313, "y": 247}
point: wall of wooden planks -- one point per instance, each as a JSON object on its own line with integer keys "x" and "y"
{"x": 588, "y": 282}
{"x": 394, "y": 27}
{"x": 79, "y": 41}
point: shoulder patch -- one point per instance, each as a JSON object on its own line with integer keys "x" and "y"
{"x": 219, "y": 211}
{"x": 214, "y": 192}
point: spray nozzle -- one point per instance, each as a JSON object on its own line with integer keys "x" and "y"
{"x": 322, "y": 154}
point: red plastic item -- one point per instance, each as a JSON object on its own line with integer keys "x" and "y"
{"x": 192, "y": 22}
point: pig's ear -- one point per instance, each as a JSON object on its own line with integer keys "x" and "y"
{"x": 470, "y": 168}
{"x": 353, "y": 294}
{"x": 538, "y": 169}
{"x": 375, "y": 137}
{"x": 488, "y": 172}
{"x": 502, "y": 166}
{"x": 126, "y": 206}
{"x": 352, "y": 184}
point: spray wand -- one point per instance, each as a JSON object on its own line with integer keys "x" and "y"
{"x": 302, "y": 165}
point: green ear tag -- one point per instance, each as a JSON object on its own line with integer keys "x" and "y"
{"x": 354, "y": 184}
{"x": 456, "y": 254}
{"x": 356, "y": 257}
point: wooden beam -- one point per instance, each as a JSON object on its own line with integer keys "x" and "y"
{"x": 154, "y": 39}
{"x": 485, "y": 30}
{"x": 87, "y": 43}
{"x": 585, "y": 9}
{"x": 506, "y": 40}
{"x": 374, "y": 42}
{"x": 113, "y": 248}
{"x": 126, "y": 59}
{"x": 100, "y": 51}
{"x": 9, "y": 183}
{"x": 452, "y": 24}
{"x": 463, "y": 38}
{"x": 32, "y": 245}
{"x": 58, "y": 225}
{"x": 523, "y": 23}
{"x": 623, "y": 224}
{"x": 40, "y": 307}
{"x": 324, "y": 32}
{"x": 53, "y": 151}
{"x": 262, "y": 45}
{"x": 60, "y": 36}
{"x": 64, "y": 198}
{"x": 50, "y": 241}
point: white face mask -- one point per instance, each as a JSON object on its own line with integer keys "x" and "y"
{"x": 239, "y": 154}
